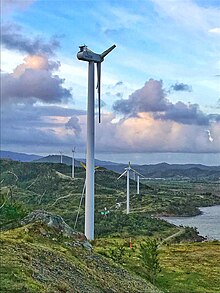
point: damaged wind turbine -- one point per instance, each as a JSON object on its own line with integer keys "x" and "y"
{"x": 86, "y": 54}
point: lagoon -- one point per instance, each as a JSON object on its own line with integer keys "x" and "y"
{"x": 208, "y": 223}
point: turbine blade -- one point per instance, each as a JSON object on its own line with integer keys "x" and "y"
{"x": 99, "y": 89}
{"x": 137, "y": 172}
{"x": 83, "y": 165}
{"x": 122, "y": 174}
{"x": 106, "y": 52}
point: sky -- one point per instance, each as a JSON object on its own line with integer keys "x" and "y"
{"x": 160, "y": 86}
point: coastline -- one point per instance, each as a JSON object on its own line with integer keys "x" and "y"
{"x": 207, "y": 222}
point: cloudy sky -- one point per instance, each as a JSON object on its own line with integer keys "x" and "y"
{"x": 160, "y": 86}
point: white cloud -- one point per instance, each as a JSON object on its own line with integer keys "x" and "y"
{"x": 10, "y": 59}
{"x": 189, "y": 14}
{"x": 215, "y": 30}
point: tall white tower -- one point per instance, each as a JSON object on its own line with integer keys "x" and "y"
{"x": 87, "y": 55}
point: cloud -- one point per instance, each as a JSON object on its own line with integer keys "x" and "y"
{"x": 119, "y": 83}
{"x": 40, "y": 127}
{"x": 123, "y": 20}
{"x": 215, "y": 30}
{"x": 73, "y": 123}
{"x": 147, "y": 134}
{"x": 181, "y": 87}
{"x": 10, "y": 6}
{"x": 186, "y": 114}
{"x": 47, "y": 128}
{"x": 13, "y": 38}
{"x": 152, "y": 98}
{"x": 189, "y": 14}
{"x": 33, "y": 80}
{"x": 209, "y": 135}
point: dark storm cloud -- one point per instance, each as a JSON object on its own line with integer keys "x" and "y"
{"x": 151, "y": 98}
{"x": 181, "y": 87}
{"x": 33, "y": 84}
{"x": 13, "y": 39}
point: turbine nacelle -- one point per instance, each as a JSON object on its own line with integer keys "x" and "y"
{"x": 86, "y": 54}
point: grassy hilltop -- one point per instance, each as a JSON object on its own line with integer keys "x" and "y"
{"x": 112, "y": 266}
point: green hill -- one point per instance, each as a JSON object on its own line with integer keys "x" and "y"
{"x": 29, "y": 186}
{"x": 40, "y": 257}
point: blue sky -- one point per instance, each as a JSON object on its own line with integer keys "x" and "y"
{"x": 160, "y": 86}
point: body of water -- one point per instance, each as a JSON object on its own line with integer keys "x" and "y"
{"x": 208, "y": 223}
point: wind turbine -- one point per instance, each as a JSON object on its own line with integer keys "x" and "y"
{"x": 127, "y": 170}
{"x": 86, "y": 54}
{"x": 61, "y": 157}
{"x": 73, "y": 162}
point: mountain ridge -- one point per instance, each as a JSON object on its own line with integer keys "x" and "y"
{"x": 161, "y": 170}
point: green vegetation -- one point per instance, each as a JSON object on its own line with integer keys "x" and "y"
{"x": 185, "y": 267}
{"x": 190, "y": 267}
{"x": 149, "y": 258}
{"x": 33, "y": 262}
{"x": 35, "y": 259}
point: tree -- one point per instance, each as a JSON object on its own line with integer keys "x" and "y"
{"x": 149, "y": 258}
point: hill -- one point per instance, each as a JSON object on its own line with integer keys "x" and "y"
{"x": 68, "y": 161}
{"x": 50, "y": 186}
{"x": 40, "y": 257}
{"x": 18, "y": 156}
{"x": 174, "y": 171}
{"x": 157, "y": 171}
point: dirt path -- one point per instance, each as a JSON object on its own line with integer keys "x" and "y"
{"x": 181, "y": 231}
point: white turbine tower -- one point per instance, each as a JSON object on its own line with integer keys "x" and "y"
{"x": 127, "y": 170}
{"x": 73, "y": 162}
{"x": 61, "y": 157}
{"x": 86, "y": 54}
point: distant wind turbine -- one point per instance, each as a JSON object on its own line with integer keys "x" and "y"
{"x": 61, "y": 157}
{"x": 86, "y": 54}
{"x": 73, "y": 162}
{"x": 127, "y": 171}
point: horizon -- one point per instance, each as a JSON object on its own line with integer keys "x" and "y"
{"x": 160, "y": 85}
{"x": 149, "y": 158}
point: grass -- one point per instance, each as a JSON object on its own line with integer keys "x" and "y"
{"x": 35, "y": 262}
{"x": 186, "y": 267}
{"x": 190, "y": 268}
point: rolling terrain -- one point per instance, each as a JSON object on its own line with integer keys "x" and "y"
{"x": 27, "y": 187}
{"x": 186, "y": 172}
